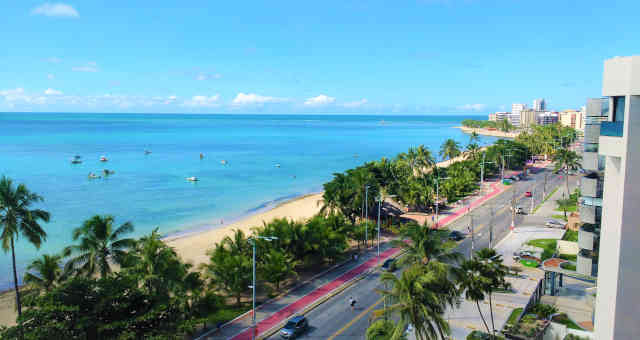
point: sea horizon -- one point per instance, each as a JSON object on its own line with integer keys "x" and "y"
{"x": 270, "y": 159}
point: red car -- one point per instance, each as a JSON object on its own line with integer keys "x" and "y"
{"x": 528, "y": 194}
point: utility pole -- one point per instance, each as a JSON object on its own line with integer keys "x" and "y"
{"x": 437, "y": 200}
{"x": 544, "y": 186}
{"x": 482, "y": 171}
{"x": 513, "y": 207}
{"x": 471, "y": 228}
{"x": 379, "y": 204}
{"x": 533, "y": 192}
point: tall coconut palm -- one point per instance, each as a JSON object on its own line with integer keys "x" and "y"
{"x": 566, "y": 160}
{"x": 472, "y": 151}
{"x": 450, "y": 149}
{"x": 474, "y": 284}
{"x": 100, "y": 243}
{"x": 44, "y": 273}
{"x": 17, "y": 217}
{"x": 496, "y": 272}
{"x": 474, "y": 138}
{"x": 420, "y": 297}
{"x": 426, "y": 245}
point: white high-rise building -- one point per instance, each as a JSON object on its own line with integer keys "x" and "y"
{"x": 617, "y": 314}
{"x": 539, "y": 104}
{"x": 517, "y": 108}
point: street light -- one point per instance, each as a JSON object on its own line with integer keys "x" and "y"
{"x": 380, "y": 199}
{"x": 252, "y": 240}
{"x": 484, "y": 154}
{"x": 366, "y": 218}
{"x": 438, "y": 197}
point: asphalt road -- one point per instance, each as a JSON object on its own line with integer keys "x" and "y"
{"x": 335, "y": 319}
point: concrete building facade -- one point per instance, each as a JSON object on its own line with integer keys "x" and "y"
{"x": 539, "y": 104}
{"x": 618, "y": 300}
{"x": 573, "y": 119}
{"x": 517, "y": 108}
{"x": 546, "y": 118}
{"x": 528, "y": 118}
{"x": 514, "y": 119}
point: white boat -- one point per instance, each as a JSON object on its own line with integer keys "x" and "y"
{"x": 146, "y": 152}
{"x": 103, "y": 159}
{"x": 278, "y": 165}
{"x": 192, "y": 179}
{"x": 223, "y": 162}
{"x": 93, "y": 176}
{"x": 76, "y": 161}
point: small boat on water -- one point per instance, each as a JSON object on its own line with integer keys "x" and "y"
{"x": 192, "y": 179}
{"x": 223, "y": 162}
{"x": 76, "y": 161}
{"x": 146, "y": 152}
{"x": 278, "y": 165}
{"x": 103, "y": 159}
{"x": 93, "y": 176}
{"x": 107, "y": 172}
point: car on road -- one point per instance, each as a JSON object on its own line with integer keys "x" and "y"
{"x": 520, "y": 211}
{"x": 554, "y": 224}
{"x": 456, "y": 236}
{"x": 528, "y": 194}
{"x": 294, "y": 327}
{"x": 389, "y": 265}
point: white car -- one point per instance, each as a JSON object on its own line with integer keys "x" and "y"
{"x": 554, "y": 224}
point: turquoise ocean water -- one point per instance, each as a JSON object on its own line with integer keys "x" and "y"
{"x": 151, "y": 190}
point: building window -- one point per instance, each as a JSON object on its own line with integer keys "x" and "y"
{"x": 618, "y": 109}
{"x": 604, "y": 109}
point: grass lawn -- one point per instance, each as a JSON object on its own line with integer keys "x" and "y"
{"x": 547, "y": 244}
{"x": 570, "y": 235}
{"x": 515, "y": 313}
{"x": 570, "y": 209}
{"x": 563, "y": 319}
{"x": 227, "y": 314}
{"x": 529, "y": 263}
{"x": 545, "y": 199}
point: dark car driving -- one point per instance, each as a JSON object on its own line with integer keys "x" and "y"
{"x": 389, "y": 265}
{"x": 294, "y": 327}
{"x": 456, "y": 236}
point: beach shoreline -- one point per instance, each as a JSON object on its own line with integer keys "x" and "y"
{"x": 487, "y": 132}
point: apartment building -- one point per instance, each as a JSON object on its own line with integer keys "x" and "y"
{"x": 528, "y": 118}
{"x": 546, "y": 118}
{"x": 618, "y": 299}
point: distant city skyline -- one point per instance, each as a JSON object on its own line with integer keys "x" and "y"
{"x": 422, "y": 56}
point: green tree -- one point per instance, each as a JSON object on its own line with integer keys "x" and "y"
{"x": 381, "y": 329}
{"x": 425, "y": 245}
{"x": 18, "y": 217}
{"x": 100, "y": 242}
{"x": 496, "y": 272}
{"x": 566, "y": 160}
{"x": 232, "y": 273}
{"x": 276, "y": 266}
{"x": 474, "y": 138}
{"x": 472, "y": 151}
{"x": 474, "y": 284}
{"x": 420, "y": 297}
{"x": 564, "y": 205}
{"x": 450, "y": 149}
{"x": 44, "y": 273}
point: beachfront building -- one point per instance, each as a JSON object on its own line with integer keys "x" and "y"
{"x": 618, "y": 300}
{"x": 514, "y": 119}
{"x": 572, "y": 118}
{"x": 501, "y": 115}
{"x": 517, "y": 108}
{"x": 591, "y": 186}
{"x": 546, "y": 118}
{"x": 528, "y": 118}
{"x": 539, "y": 105}
{"x": 492, "y": 117}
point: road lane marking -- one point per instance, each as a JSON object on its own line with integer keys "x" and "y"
{"x": 350, "y": 323}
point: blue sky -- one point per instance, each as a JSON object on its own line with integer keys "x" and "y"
{"x": 419, "y": 56}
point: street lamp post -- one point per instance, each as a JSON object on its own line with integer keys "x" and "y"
{"x": 366, "y": 219}
{"x": 253, "y": 287}
{"x": 482, "y": 170}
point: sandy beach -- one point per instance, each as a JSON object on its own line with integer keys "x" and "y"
{"x": 193, "y": 247}
{"x": 487, "y": 132}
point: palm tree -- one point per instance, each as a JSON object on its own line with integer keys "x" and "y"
{"x": 46, "y": 273}
{"x": 472, "y": 151}
{"x": 277, "y": 266}
{"x": 426, "y": 245}
{"x": 566, "y": 160}
{"x": 18, "y": 218}
{"x": 420, "y": 297}
{"x": 496, "y": 272}
{"x": 474, "y": 284}
{"x": 564, "y": 205}
{"x": 474, "y": 138}
{"x": 450, "y": 149}
{"x": 100, "y": 243}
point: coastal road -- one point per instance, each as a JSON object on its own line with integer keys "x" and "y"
{"x": 334, "y": 319}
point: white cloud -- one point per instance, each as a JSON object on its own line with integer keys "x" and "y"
{"x": 255, "y": 99}
{"x": 50, "y": 76}
{"x": 56, "y": 10}
{"x": 54, "y": 60}
{"x": 16, "y": 94}
{"x": 356, "y": 103}
{"x": 319, "y": 100}
{"x": 472, "y": 107}
{"x": 202, "y": 101}
{"x": 89, "y": 67}
{"x": 52, "y": 92}
{"x": 170, "y": 99}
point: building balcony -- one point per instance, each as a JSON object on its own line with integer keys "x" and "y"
{"x": 587, "y": 235}
{"x": 611, "y": 129}
{"x": 590, "y": 214}
{"x": 587, "y": 263}
{"x": 610, "y": 145}
{"x": 590, "y": 161}
{"x": 591, "y": 185}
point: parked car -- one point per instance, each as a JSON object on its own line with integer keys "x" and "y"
{"x": 520, "y": 211}
{"x": 389, "y": 265}
{"x": 456, "y": 236}
{"x": 554, "y": 224}
{"x": 294, "y": 327}
{"x": 528, "y": 194}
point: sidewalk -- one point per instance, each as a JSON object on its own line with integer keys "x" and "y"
{"x": 306, "y": 296}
